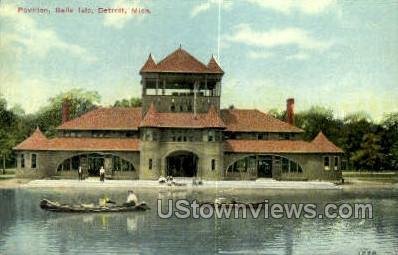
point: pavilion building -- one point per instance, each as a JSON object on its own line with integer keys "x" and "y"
{"x": 180, "y": 130}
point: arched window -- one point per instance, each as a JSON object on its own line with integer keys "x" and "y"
{"x": 264, "y": 165}
{"x": 93, "y": 162}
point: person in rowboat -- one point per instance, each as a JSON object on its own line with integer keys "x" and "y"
{"x": 132, "y": 199}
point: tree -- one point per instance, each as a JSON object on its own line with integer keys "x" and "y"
{"x": 369, "y": 156}
{"x": 277, "y": 114}
{"x": 132, "y": 102}
{"x": 7, "y": 129}
{"x": 7, "y": 141}
{"x": 389, "y": 141}
{"x": 355, "y": 127}
{"x": 81, "y": 101}
{"x": 318, "y": 119}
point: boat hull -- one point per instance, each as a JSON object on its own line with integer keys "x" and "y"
{"x": 55, "y": 207}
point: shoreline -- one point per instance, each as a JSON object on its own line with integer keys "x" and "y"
{"x": 14, "y": 183}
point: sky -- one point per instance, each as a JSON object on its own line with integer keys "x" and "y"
{"x": 341, "y": 55}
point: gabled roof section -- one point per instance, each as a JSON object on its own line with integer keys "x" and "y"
{"x": 149, "y": 66}
{"x": 115, "y": 118}
{"x": 83, "y": 144}
{"x": 252, "y": 120}
{"x": 37, "y": 139}
{"x": 150, "y": 118}
{"x": 211, "y": 119}
{"x": 269, "y": 146}
{"x": 321, "y": 142}
{"x": 276, "y": 146}
{"x": 214, "y": 67}
{"x": 180, "y": 61}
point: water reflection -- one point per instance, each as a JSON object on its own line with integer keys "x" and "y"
{"x": 26, "y": 229}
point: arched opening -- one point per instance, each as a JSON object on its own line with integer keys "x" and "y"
{"x": 264, "y": 166}
{"x": 92, "y": 162}
{"x": 182, "y": 164}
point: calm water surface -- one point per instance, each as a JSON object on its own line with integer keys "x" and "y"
{"x": 26, "y": 229}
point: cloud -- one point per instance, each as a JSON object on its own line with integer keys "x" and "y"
{"x": 277, "y": 37}
{"x": 14, "y": 89}
{"x": 119, "y": 20}
{"x": 298, "y": 56}
{"x": 23, "y": 35}
{"x": 198, "y": 9}
{"x": 310, "y": 7}
{"x": 259, "y": 54}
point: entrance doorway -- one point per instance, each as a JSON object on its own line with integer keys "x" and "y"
{"x": 264, "y": 167}
{"x": 182, "y": 164}
{"x": 95, "y": 162}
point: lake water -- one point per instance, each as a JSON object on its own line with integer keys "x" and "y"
{"x": 26, "y": 229}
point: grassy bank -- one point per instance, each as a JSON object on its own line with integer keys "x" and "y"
{"x": 369, "y": 176}
{"x": 9, "y": 174}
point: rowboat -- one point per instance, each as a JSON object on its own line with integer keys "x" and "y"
{"x": 48, "y": 205}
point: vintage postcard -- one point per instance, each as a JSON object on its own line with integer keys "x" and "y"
{"x": 198, "y": 127}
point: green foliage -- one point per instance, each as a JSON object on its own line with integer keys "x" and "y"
{"x": 389, "y": 139}
{"x": 318, "y": 119}
{"x": 366, "y": 144}
{"x": 8, "y": 134}
{"x": 369, "y": 155}
{"x": 132, "y": 102}
{"x": 50, "y": 116}
{"x": 277, "y": 114}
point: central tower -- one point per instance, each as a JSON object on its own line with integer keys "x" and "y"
{"x": 181, "y": 83}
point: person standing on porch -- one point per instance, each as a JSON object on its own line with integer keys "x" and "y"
{"x": 102, "y": 174}
{"x": 80, "y": 172}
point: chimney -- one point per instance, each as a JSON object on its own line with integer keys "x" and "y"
{"x": 290, "y": 111}
{"x": 65, "y": 110}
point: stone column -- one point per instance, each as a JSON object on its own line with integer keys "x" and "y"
{"x": 108, "y": 165}
{"x": 84, "y": 164}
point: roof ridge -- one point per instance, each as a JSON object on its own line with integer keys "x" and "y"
{"x": 183, "y": 51}
{"x": 321, "y": 141}
{"x": 149, "y": 65}
{"x": 214, "y": 66}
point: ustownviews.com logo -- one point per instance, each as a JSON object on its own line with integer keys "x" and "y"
{"x": 183, "y": 209}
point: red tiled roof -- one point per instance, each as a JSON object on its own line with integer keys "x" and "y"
{"x": 116, "y": 118}
{"x": 180, "y": 61}
{"x": 274, "y": 146}
{"x": 239, "y": 120}
{"x": 149, "y": 66}
{"x": 82, "y": 144}
{"x": 151, "y": 117}
{"x": 323, "y": 143}
{"x": 36, "y": 139}
{"x": 213, "y": 66}
{"x": 210, "y": 119}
